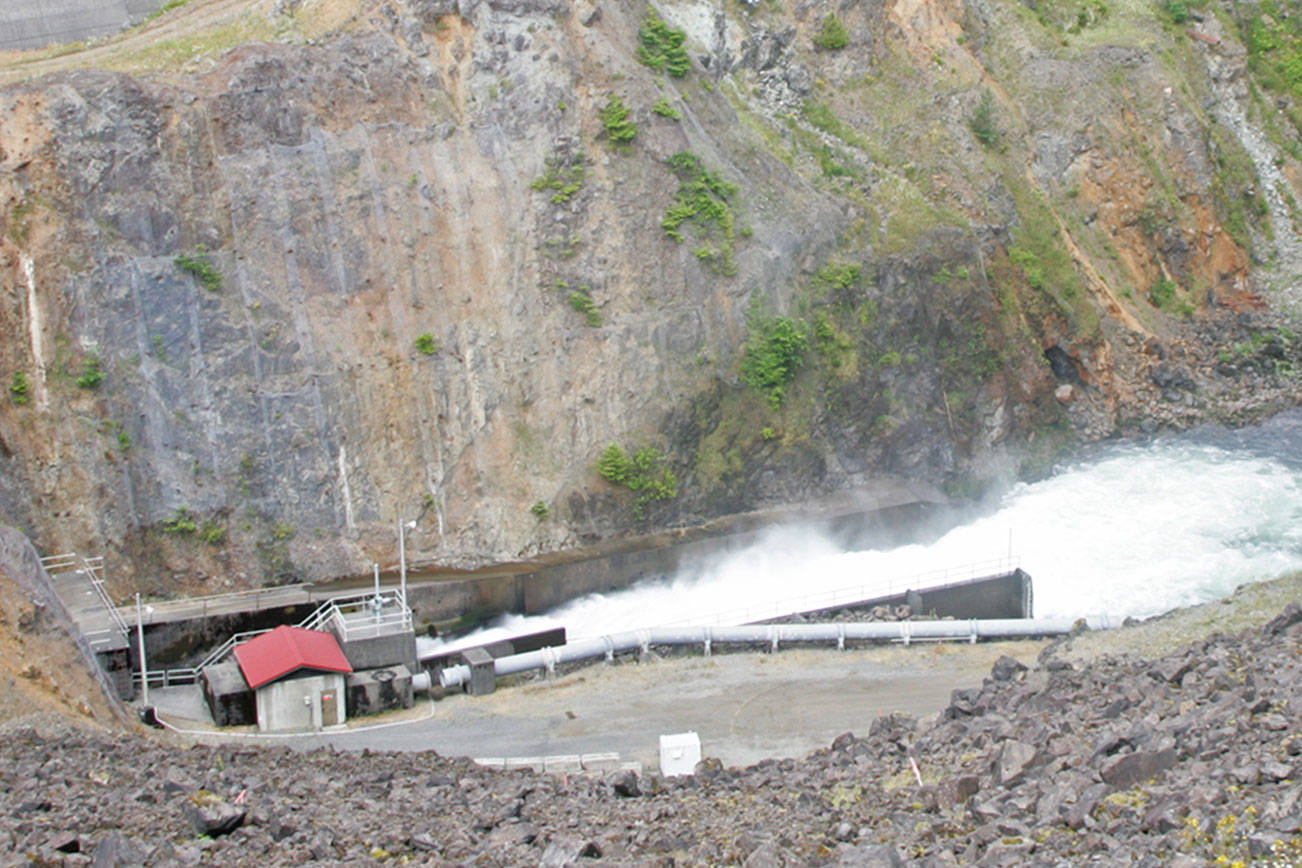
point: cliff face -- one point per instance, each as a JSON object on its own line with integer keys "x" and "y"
{"x": 395, "y": 261}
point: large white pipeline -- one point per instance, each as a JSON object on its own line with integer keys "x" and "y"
{"x": 775, "y": 634}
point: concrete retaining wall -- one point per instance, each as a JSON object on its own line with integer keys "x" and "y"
{"x": 547, "y": 588}
{"x": 1007, "y": 595}
{"x": 38, "y": 23}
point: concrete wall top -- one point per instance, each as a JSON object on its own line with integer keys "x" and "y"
{"x": 37, "y": 23}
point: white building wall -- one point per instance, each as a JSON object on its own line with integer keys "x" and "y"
{"x": 295, "y": 703}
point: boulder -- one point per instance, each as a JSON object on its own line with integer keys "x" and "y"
{"x": 956, "y": 790}
{"x": 1012, "y": 762}
{"x": 1126, "y": 770}
{"x": 1006, "y": 669}
{"x": 625, "y": 784}
{"x": 1291, "y": 615}
{"x": 211, "y": 815}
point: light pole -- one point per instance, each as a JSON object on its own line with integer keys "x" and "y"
{"x": 402, "y": 556}
{"x": 140, "y": 642}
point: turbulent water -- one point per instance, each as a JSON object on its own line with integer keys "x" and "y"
{"x": 1136, "y": 529}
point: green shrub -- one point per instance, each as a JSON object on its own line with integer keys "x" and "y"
{"x": 840, "y": 275}
{"x": 831, "y": 35}
{"x": 643, "y": 472}
{"x": 1162, "y": 293}
{"x": 661, "y": 46}
{"x": 181, "y": 522}
{"x": 564, "y": 177}
{"x": 540, "y": 510}
{"x": 201, "y": 268}
{"x": 212, "y": 532}
{"x": 91, "y": 375}
{"x": 426, "y": 345}
{"x": 665, "y": 110}
{"x": 581, "y": 301}
{"x": 773, "y": 354}
{"x": 614, "y": 116}
{"x": 702, "y": 200}
{"x": 18, "y": 388}
{"x": 1030, "y": 264}
{"x": 982, "y": 123}
{"x": 1176, "y": 10}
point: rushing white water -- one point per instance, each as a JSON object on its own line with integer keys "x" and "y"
{"x": 1136, "y": 530}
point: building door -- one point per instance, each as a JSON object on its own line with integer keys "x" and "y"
{"x": 329, "y": 708}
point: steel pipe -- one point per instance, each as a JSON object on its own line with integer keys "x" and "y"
{"x": 774, "y": 635}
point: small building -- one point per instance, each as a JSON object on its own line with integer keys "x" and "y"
{"x": 297, "y": 676}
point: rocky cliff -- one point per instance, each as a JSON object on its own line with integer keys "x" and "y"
{"x": 277, "y": 275}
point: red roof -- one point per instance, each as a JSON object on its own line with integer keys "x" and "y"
{"x": 276, "y": 654}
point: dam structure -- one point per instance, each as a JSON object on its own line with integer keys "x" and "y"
{"x": 29, "y": 24}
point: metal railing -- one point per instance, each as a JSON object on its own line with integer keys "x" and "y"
{"x": 230, "y": 602}
{"x": 93, "y": 569}
{"x": 361, "y": 625}
{"x": 852, "y": 595}
{"x": 360, "y": 616}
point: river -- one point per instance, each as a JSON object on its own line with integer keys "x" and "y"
{"x": 1133, "y": 528}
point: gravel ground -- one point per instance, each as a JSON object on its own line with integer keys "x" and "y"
{"x": 1249, "y": 606}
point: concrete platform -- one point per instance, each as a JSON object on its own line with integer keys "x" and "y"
{"x": 746, "y": 707}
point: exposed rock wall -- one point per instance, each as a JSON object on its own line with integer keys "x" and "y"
{"x": 969, "y": 309}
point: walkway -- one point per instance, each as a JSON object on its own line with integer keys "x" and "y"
{"x": 79, "y": 583}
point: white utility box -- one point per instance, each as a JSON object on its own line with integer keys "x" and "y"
{"x": 679, "y": 753}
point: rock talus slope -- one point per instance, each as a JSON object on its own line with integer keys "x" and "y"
{"x": 1187, "y": 759}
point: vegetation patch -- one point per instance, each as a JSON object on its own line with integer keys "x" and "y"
{"x": 564, "y": 176}
{"x": 983, "y": 123}
{"x": 581, "y": 301}
{"x": 540, "y": 510}
{"x": 831, "y": 34}
{"x": 665, "y": 110}
{"x": 644, "y": 471}
{"x": 201, "y": 268}
{"x": 702, "y": 200}
{"x": 181, "y": 523}
{"x": 661, "y": 46}
{"x": 212, "y": 532}
{"x": 1041, "y": 253}
{"x": 18, "y": 388}
{"x": 426, "y": 345}
{"x": 91, "y": 374}
{"x": 615, "y": 118}
{"x": 773, "y": 354}
{"x": 821, "y": 117}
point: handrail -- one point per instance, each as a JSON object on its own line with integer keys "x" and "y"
{"x": 319, "y": 617}
{"x": 92, "y": 567}
{"x": 262, "y": 598}
{"x": 848, "y": 596}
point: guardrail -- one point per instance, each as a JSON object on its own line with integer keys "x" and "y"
{"x": 93, "y": 569}
{"x": 849, "y": 596}
{"x": 360, "y": 616}
{"x": 231, "y": 602}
